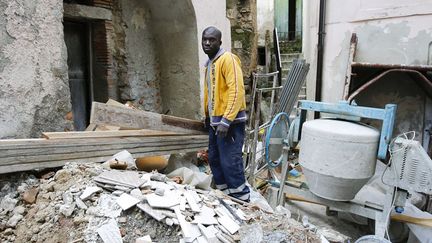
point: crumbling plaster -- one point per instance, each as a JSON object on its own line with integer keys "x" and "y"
{"x": 136, "y": 58}
{"x": 34, "y": 90}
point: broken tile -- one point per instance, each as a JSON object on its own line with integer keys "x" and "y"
{"x": 209, "y": 233}
{"x": 122, "y": 178}
{"x": 160, "y": 185}
{"x": 192, "y": 202}
{"x": 144, "y": 239}
{"x": 89, "y": 191}
{"x": 156, "y": 214}
{"x": 241, "y": 214}
{"x": 110, "y": 232}
{"x": 222, "y": 238}
{"x": 80, "y": 204}
{"x": 205, "y": 217}
{"x": 126, "y": 201}
{"x": 169, "y": 200}
{"x": 229, "y": 224}
{"x": 190, "y": 231}
{"x": 136, "y": 193}
{"x": 182, "y": 203}
{"x": 201, "y": 239}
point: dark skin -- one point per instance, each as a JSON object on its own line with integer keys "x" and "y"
{"x": 211, "y": 42}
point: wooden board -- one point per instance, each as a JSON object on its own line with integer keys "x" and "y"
{"x": 103, "y": 114}
{"x": 100, "y": 134}
{"x": 28, "y": 154}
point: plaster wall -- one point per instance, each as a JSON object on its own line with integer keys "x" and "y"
{"x": 389, "y": 32}
{"x": 141, "y": 68}
{"x": 265, "y": 19}
{"x": 34, "y": 90}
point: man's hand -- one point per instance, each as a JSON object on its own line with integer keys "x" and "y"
{"x": 222, "y": 131}
{"x": 206, "y": 122}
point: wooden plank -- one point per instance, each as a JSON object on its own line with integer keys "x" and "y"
{"x": 54, "y": 149}
{"x": 106, "y": 134}
{"x": 28, "y": 154}
{"x": 52, "y": 154}
{"x": 58, "y": 163}
{"x": 351, "y": 56}
{"x": 41, "y": 142}
{"x": 103, "y": 114}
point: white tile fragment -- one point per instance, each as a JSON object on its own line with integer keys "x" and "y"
{"x": 89, "y": 191}
{"x": 229, "y": 224}
{"x": 144, "y": 239}
{"x": 182, "y": 203}
{"x": 209, "y": 233}
{"x": 169, "y": 200}
{"x": 192, "y": 202}
{"x": 126, "y": 201}
{"x": 110, "y": 232}
{"x": 154, "y": 213}
{"x": 190, "y": 231}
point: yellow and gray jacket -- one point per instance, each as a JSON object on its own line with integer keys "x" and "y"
{"x": 224, "y": 88}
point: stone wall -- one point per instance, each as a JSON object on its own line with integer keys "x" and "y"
{"x": 242, "y": 15}
{"x": 34, "y": 91}
{"x": 137, "y": 59}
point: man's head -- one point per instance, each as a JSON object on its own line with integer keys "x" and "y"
{"x": 211, "y": 41}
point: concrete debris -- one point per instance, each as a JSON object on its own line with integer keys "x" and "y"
{"x": 8, "y": 204}
{"x": 92, "y": 203}
{"x": 29, "y": 195}
{"x": 13, "y": 221}
{"x": 251, "y": 233}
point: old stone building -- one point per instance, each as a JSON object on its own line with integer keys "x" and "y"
{"x": 58, "y": 56}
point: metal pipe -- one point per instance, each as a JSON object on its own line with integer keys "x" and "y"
{"x": 425, "y": 82}
{"x": 320, "y": 54}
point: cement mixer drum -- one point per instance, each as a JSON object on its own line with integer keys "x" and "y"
{"x": 338, "y": 157}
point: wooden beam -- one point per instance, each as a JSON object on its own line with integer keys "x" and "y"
{"x": 103, "y": 114}
{"x": 106, "y": 134}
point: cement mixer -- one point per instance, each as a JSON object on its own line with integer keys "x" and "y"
{"x": 338, "y": 156}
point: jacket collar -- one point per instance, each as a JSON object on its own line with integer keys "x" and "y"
{"x": 218, "y": 54}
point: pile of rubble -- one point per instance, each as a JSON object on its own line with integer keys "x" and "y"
{"x": 90, "y": 203}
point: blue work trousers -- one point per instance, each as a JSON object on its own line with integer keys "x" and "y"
{"x": 226, "y": 163}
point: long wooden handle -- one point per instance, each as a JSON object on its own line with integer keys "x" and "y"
{"x": 395, "y": 217}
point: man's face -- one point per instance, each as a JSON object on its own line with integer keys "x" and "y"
{"x": 210, "y": 43}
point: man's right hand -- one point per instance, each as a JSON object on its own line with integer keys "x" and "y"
{"x": 206, "y": 122}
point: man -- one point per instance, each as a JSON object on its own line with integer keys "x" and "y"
{"x": 225, "y": 105}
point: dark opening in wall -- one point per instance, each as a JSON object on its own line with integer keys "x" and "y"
{"x": 83, "y": 2}
{"x": 292, "y": 20}
{"x": 261, "y": 56}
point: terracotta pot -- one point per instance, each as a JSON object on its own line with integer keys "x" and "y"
{"x": 151, "y": 163}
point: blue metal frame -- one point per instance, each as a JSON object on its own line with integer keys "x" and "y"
{"x": 387, "y": 115}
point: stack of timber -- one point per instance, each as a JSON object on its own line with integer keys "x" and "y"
{"x": 154, "y": 134}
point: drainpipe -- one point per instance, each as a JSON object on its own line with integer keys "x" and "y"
{"x": 320, "y": 54}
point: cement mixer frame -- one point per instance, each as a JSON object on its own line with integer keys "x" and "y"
{"x": 345, "y": 111}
